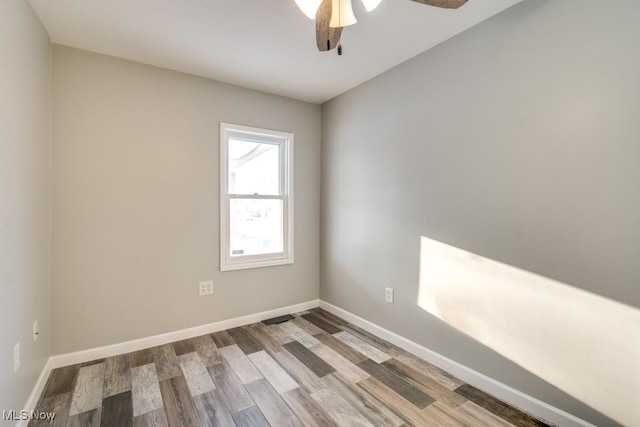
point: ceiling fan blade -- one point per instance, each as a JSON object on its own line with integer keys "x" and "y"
{"x": 447, "y": 4}
{"x": 327, "y": 38}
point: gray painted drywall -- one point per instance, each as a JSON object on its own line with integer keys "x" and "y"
{"x": 136, "y": 201}
{"x": 24, "y": 199}
{"x": 516, "y": 140}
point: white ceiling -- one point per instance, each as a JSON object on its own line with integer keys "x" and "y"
{"x": 267, "y": 45}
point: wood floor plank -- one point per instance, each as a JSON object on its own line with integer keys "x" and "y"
{"x": 61, "y": 381}
{"x": 364, "y": 403}
{"x": 298, "y": 371}
{"x": 397, "y": 384}
{"x": 87, "y": 394}
{"x": 477, "y": 416}
{"x": 309, "y": 359}
{"x": 328, "y": 317}
{"x": 273, "y": 372}
{"x": 348, "y": 352}
{"x": 298, "y": 334}
{"x": 307, "y": 409}
{"x": 278, "y": 334}
{"x": 59, "y": 405}
{"x": 399, "y": 405}
{"x": 267, "y": 342}
{"x": 86, "y": 419}
{"x": 443, "y": 416}
{"x": 145, "y": 389}
{"x": 117, "y": 411}
{"x": 250, "y": 417}
{"x": 338, "y": 409}
{"x": 232, "y": 393}
{"x": 306, "y": 326}
{"x": 184, "y": 347}
{"x": 140, "y": 358}
{"x": 92, "y": 362}
{"x": 117, "y": 375}
{"x": 366, "y": 336}
{"x": 156, "y": 418}
{"x": 222, "y": 339}
{"x": 497, "y": 407}
{"x": 363, "y": 347}
{"x": 321, "y": 323}
{"x": 275, "y": 410}
{"x": 212, "y": 411}
{"x": 242, "y": 366}
{"x": 438, "y": 375}
{"x": 195, "y": 373}
{"x": 350, "y": 371}
{"x": 178, "y": 406}
{"x": 167, "y": 365}
{"x": 245, "y": 341}
{"x": 425, "y": 383}
{"x": 207, "y": 350}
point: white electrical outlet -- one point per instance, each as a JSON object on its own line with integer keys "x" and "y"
{"x": 35, "y": 330}
{"x": 388, "y": 295}
{"x": 16, "y": 357}
{"x": 206, "y": 288}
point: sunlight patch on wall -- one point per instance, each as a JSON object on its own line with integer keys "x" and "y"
{"x": 582, "y": 343}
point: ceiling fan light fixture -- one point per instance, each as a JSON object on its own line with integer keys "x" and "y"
{"x": 342, "y": 14}
{"x": 369, "y": 5}
{"x": 309, "y": 7}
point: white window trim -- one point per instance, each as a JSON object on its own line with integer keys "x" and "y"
{"x": 227, "y": 263}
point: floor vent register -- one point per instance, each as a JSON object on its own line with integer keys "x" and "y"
{"x": 279, "y": 319}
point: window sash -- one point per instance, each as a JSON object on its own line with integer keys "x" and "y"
{"x": 241, "y": 259}
{"x": 285, "y": 144}
{"x": 281, "y": 144}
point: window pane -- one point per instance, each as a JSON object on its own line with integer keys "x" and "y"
{"x": 254, "y": 167}
{"x": 256, "y": 226}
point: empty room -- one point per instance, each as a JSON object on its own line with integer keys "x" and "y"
{"x": 319, "y": 212}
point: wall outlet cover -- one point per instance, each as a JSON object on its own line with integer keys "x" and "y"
{"x": 388, "y": 295}
{"x": 205, "y": 288}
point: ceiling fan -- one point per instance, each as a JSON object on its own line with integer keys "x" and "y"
{"x": 333, "y": 15}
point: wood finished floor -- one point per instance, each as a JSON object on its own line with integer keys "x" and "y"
{"x": 315, "y": 370}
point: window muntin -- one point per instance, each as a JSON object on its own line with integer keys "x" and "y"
{"x": 256, "y": 203}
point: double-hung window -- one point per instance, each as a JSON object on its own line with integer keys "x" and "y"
{"x": 256, "y": 206}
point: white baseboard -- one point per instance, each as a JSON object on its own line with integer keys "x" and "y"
{"x": 36, "y": 392}
{"x": 501, "y": 391}
{"x": 142, "y": 343}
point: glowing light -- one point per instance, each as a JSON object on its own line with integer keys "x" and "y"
{"x": 582, "y": 343}
{"x": 369, "y": 5}
{"x": 309, "y": 7}
{"x": 342, "y": 14}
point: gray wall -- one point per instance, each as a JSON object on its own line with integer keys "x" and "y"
{"x": 516, "y": 140}
{"x": 136, "y": 201}
{"x": 24, "y": 199}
